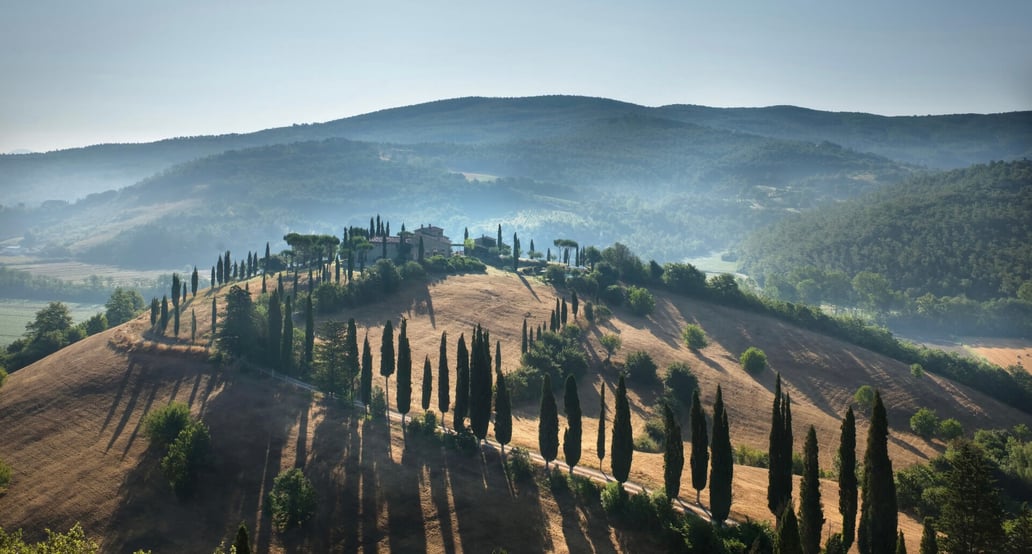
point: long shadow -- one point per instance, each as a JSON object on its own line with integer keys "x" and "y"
{"x": 576, "y": 541}
{"x": 405, "y": 521}
{"x": 270, "y": 469}
{"x": 436, "y": 466}
{"x": 301, "y": 449}
{"x": 370, "y": 530}
{"x": 139, "y": 422}
{"x": 527, "y": 284}
{"x": 118, "y": 396}
{"x": 424, "y": 304}
{"x": 126, "y": 414}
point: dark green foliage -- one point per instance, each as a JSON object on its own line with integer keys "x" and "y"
{"x": 779, "y": 487}
{"x": 694, "y": 337}
{"x": 788, "y": 541}
{"x": 622, "y": 444}
{"x": 811, "y": 511}
{"x": 189, "y": 451}
{"x": 193, "y": 325}
{"x": 518, "y": 464}
{"x": 878, "y": 512}
{"x": 640, "y": 300}
{"x": 641, "y": 367}
{"x": 155, "y": 307}
{"x": 275, "y": 324}
{"x": 96, "y": 324}
{"x": 443, "y": 384}
{"x": 721, "y": 461}
{"x": 309, "y": 330}
{"x": 163, "y": 319}
{"x": 176, "y": 291}
{"x": 700, "y": 445}
{"x": 673, "y": 455}
{"x": 681, "y": 383}
{"x": 556, "y": 354}
{"x": 387, "y": 350}
{"x": 214, "y": 318}
{"x": 847, "y": 484}
{"x": 242, "y": 542}
{"x": 574, "y": 428}
{"x": 924, "y": 423}
{"x": 366, "y": 379}
{"x": 122, "y": 306}
{"x": 239, "y": 333}
{"x": 548, "y": 422}
{"x": 503, "y": 411}
{"x": 972, "y": 514}
{"x": 461, "y": 384}
{"x": 175, "y": 321}
{"x": 753, "y": 360}
{"x": 523, "y": 340}
{"x": 331, "y": 360}
{"x": 404, "y": 394}
{"x": 428, "y": 384}
{"x": 287, "y": 345}
{"x": 929, "y": 540}
{"x": 600, "y": 441}
{"x": 1019, "y": 533}
{"x": 162, "y": 425}
{"x": 292, "y": 500}
{"x": 574, "y": 304}
{"x": 834, "y": 545}
{"x": 950, "y": 429}
{"x": 901, "y": 544}
{"x": 480, "y": 383}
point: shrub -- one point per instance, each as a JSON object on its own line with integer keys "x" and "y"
{"x": 614, "y": 295}
{"x": 681, "y": 382}
{"x": 641, "y": 301}
{"x": 752, "y": 457}
{"x": 164, "y": 424}
{"x": 412, "y": 271}
{"x": 950, "y": 429}
{"x": 916, "y": 370}
{"x": 292, "y": 500}
{"x": 924, "y": 423}
{"x": 753, "y": 360}
{"x": 694, "y": 337}
{"x": 585, "y": 489}
{"x": 425, "y": 426}
{"x": 645, "y": 443}
{"x": 611, "y": 343}
{"x": 187, "y": 453}
{"x": 524, "y": 384}
{"x": 640, "y": 367}
{"x": 378, "y": 404}
{"x": 602, "y": 313}
{"x": 864, "y": 397}
{"x": 589, "y": 312}
{"x": 5, "y": 475}
{"x": 556, "y": 275}
{"x": 462, "y": 441}
{"x": 614, "y": 498}
{"x": 557, "y": 480}
{"x": 518, "y": 465}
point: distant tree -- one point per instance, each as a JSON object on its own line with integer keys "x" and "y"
{"x": 779, "y": 487}
{"x": 972, "y": 513}
{"x": 163, "y": 320}
{"x": 387, "y": 354}
{"x": 548, "y": 422}
{"x": 929, "y": 541}
{"x": 330, "y": 359}
{"x": 753, "y": 360}
{"x": 699, "y": 460}
{"x": 366, "y": 379}
{"x": 950, "y": 429}
{"x": 242, "y": 543}
{"x": 461, "y": 384}
{"x": 503, "y": 412}
{"x": 564, "y": 313}
{"x": 275, "y": 324}
{"x": 641, "y": 301}
{"x": 811, "y": 512}
{"x": 574, "y": 303}
{"x": 694, "y": 337}
{"x": 722, "y": 462}
{"x": 220, "y": 272}
{"x": 155, "y": 308}
{"x": 864, "y": 397}
{"x": 641, "y": 367}
{"x": 404, "y": 399}
{"x": 788, "y": 533}
{"x": 574, "y": 429}
{"x": 240, "y": 331}
{"x": 623, "y": 442}
{"x": 480, "y": 383}
{"x": 600, "y": 441}
{"x": 523, "y": 343}
{"x": 193, "y": 325}
{"x": 292, "y": 500}
{"x": 194, "y": 281}
{"x": 287, "y": 346}
{"x": 924, "y": 423}
{"x": 443, "y": 384}
{"x": 189, "y": 451}
{"x": 213, "y": 281}
{"x": 878, "y": 510}
{"x": 122, "y": 306}
{"x": 847, "y": 485}
{"x": 673, "y": 455}
{"x": 214, "y": 317}
{"x": 428, "y": 383}
{"x": 309, "y": 330}
{"x": 175, "y": 320}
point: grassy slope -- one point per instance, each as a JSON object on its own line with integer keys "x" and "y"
{"x": 72, "y": 431}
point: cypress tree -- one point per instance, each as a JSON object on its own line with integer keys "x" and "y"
{"x": 673, "y": 455}
{"x": 309, "y": 331}
{"x": 351, "y": 352}
{"x": 788, "y": 533}
{"x": 183, "y": 299}
{"x": 155, "y": 307}
{"x": 623, "y": 442}
{"x": 563, "y": 315}
{"x": 287, "y": 346}
{"x": 847, "y": 478}
{"x": 214, "y": 317}
{"x": 428, "y": 384}
{"x": 387, "y": 355}
{"x": 548, "y": 422}
{"x": 878, "y": 510}
{"x": 420, "y": 252}
{"x": 779, "y": 488}
{"x": 242, "y": 543}
{"x": 901, "y": 544}
{"x": 194, "y": 278}
{"x": 275, "y": 317}
{"x": 600, "y": 441}
{"x": 929, "y": 542}
{"x": 366, "y": 380}
{"x": 213, "y": 281}
{"x": 443, "y": 384}
{"x": 700, "y": 446}
{"x": 503, "y": 412}
{"x": 220, "y": 272}
{"x": 499, "y": 237}
{"x": 722, "y": 462}
{"x": 461, "y": 384}
{"x": 164, "y": 313}
{"x": 972, "y": 513}
{"x": 404, "y": 395}
{"x": 175, "y": 319}
{"x": 480, "y": 383}
{"x": 574, "y": 430}
{"x": 574, "y": 303}
{"x": 811, "y": 512}
{"x": 523, "y": 342}
{"x": 193, "y": 325}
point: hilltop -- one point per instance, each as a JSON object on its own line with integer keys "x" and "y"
{"x": 72, "y": 428}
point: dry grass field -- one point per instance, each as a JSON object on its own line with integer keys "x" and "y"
{"x": 72, "y": 430}
{"x": 1002, "y": 352}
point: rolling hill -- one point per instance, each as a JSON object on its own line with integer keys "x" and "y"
{"x": 72, "y": 430}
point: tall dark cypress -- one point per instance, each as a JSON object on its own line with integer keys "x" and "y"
{"x": 443, "y": 383}
{"x": 242, "y": 544}
{"x": 404, "y": 395}
{"x": 600, "y": 441}
{"x": 480, "y": 383}
{"x": 779, "y": 486}
{"x": 574, "y": 428}
{"x": 700, "y": 445}
{"x": 461, "y": 384}
{"x": 564, "y": 313}
{"x": 722, "y": 463}
{"x": 673, "y": 455}
{"x": 901, "y": 544}
{"x": 622, "y": 444}
{"x": 574, "y": 303}
{"x": 194, "y": 279}
{"x": 275, "y": 321}
{"x": 214, "y": 317}
{"x": 175, "y": 319}
{"x": 220, "y": 272}
{"x": 811, "y": 512}
{"x": 548, "y": 422}
{"x": 787, "y": 540}
{"x": 309, "y": 332}
{"x": 213, "y": 281}
{"x": 164, "y": 313}
{"x": 366, "y": 380}
{"x": 428, "y": 384}
{"x": 351, "y": 362}
{"x": 878, "y": 510}
{"x": 847, "y": 478}
{"x": 387, "y": 355}
{"x": 503, "y": 411}
{"x": 929, "y": 542}
{"x": 287, "y": 347}
{"x": 523, "y": 342}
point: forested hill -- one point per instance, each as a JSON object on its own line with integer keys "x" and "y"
{"x": 964, "y": 232}
{"x": 933, "y": 141}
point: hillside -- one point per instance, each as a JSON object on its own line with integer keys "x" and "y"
{"x": 72, "y": 429}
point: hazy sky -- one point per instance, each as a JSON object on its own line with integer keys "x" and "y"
{"x": 75, "y": 72}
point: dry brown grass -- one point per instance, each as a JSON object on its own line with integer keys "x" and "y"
{"x": 1002, "y": 352}
{"x": 72, "y": 429}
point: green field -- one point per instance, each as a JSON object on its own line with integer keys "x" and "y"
{"x": 14, "y": 314}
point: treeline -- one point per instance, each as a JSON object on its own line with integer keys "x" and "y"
{"x": 94, "y": 289}
{"x": 921, "y": 248}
